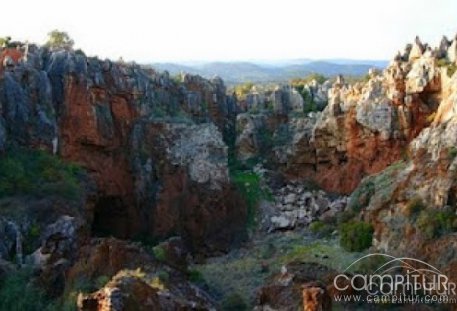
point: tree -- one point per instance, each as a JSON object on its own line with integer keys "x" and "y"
{"x": 5, "y": 41}
{"x": 59, "y": 39}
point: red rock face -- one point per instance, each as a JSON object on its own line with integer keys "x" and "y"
{"x": 101, "y": 148}
{"x": 366, "y": 153}
{"x": 96, "y": 130}
{"x": 12, "y": 53}
{"x": 364, "y": 129}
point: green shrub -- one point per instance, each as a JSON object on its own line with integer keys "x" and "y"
{"x": 452, "y": 152}
{"x": 265, "y": 139}
{"x": 248, "y": 185}
{"x": 356, "y": 236}
{"x": 17, "y": 293}
{"x": 196, "y": 277}
{"x": 451, "y": 67}
{"x": 435, "y": 223}
{"x": 159, "y": 253}
{"x": 101, "y": 281}
{"x": 234, "y": 302}
{"x": 4, "y": 41}
{"x": 300, "y": 82}
{"x": 346, "y": 216}
{"x": 37, "y": 173}
{"x": 360, "y": 198}
{"x": 282, "y": 135}
{"x": 32, "y": 238}
{"x": 370, "y": 264}
{"x": 321, "y": 229}
{"x": 163, "y": 276}
{"x": 59, "y": 39}
{"x": 242, "y": 90}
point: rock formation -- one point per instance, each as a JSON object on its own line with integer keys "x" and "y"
{"x": 120, "y": 151}
{"x": 364, "y": 128}
{"x": 115, "y": 120}
{"x": 154, "y": 152}
{"x": 414, "y": 213}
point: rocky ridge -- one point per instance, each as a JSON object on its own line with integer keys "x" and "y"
{"x": 344, "y": 142}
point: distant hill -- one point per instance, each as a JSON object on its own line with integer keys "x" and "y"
{"x": 273, "y": 71}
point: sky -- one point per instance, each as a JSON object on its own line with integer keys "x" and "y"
{"x": 228, "y": 30}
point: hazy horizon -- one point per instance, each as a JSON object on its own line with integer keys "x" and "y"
{"x": 194, "y": 31}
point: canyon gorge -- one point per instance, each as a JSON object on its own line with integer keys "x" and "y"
{"x": 124, "y": 188}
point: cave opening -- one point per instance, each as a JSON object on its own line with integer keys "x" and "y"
{"x": 110, "y": 218}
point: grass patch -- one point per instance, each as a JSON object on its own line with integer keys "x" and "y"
{"x": 356, "y": 236}
{"x": 244, "y": 271}
{"x": 249, "y": 186}
{"x": 39, "y": 174}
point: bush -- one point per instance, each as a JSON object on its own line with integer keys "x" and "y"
{"x": 321, "y": 229}
{"x": 436, "y": 223}
{"x": 248, "y": 185}
{"x": 234, "y": 302}
{"x": 451, "y": 67}
{"x": 37, "y": 173}
{"x": 59, "y": 39}
{"x": 452, "y": 152}
{"x": 265, "y": 139}
{"x": 360, "y": 198}
{"x": 320, "y": 79}
{"x": 159, "y": 253}
{"x": 101, "y": 281}
{"x": 242, "y": 90}
{"x": 163, "y": 276}
{"x": 4, "y": 41}
{"x": 196, "y": 277}
{"x": 356, "y": 236}
{"x": 346, "y": 216}
{"x": 17, "y": 293}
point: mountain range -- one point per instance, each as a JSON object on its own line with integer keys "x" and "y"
{"x": 271, "y": 71}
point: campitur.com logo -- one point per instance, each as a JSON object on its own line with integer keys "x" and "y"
{"x": 394, "y": 280}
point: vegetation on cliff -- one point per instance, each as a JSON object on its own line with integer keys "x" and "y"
{"x": 249, "y": 186}
{"x": 38, "y": 174}
{"x": 356, "y": 236}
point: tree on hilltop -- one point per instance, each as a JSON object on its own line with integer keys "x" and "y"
{"x": 59, "y": 39}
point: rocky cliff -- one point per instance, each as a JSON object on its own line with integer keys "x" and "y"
{"x": 143, "y": 157}
{"x": 412, "y": 204}
{"x": 364, "y": 128}
{"x": 129, "y": 128}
